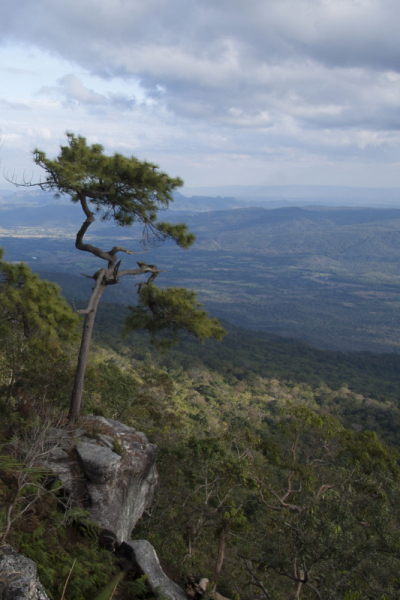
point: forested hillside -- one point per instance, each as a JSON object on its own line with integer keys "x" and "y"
{"x": 225, "y": 422}
{"x": 223, "y": 416}
{"x": 278, "y": 462}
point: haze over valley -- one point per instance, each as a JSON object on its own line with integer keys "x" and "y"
{"x": 326, "y": 274}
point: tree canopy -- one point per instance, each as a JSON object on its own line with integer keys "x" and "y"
{"x": 121, "y": 188}
{"x": 34, "y": 319}
{"x": 164, "y": 313}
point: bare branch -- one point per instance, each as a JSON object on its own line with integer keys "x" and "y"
{"x": 281, "y": 500}
{"x": 324, "y": 488}
{"x": 143, "y": 270}
{"x": 25, "y": 182}
{"x": 256, "y": 582}
{"x": 121, "y": 249}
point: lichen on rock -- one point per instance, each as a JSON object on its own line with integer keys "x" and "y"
{"x": 18, "y": 577}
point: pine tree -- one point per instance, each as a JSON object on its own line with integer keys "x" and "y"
{"x": 127, "y": 191}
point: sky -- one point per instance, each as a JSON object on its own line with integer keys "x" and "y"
{"x": 219, "y": 92}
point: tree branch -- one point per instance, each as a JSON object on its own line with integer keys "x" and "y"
{"x": 146, "y": 269}
{"x": 79, "y": 243}
{"x": 256, "y": 582}
{"x": 122, "y": 249}
{"x": 282, "y": 503}
{"x": 99, "y": 282}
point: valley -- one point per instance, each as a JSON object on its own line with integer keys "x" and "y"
{"x": 329, "y": 276}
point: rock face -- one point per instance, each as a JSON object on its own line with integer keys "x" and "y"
{"x": 109, "y": 469}
{"x": 18, "y": 579}
{"x": 145, "y": 562}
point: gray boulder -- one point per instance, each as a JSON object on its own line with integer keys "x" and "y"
{"x": 145, "y": 562}
{"x": 114, "y": 487}
{"x": 18, "y": 577}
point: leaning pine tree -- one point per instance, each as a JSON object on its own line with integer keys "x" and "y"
{"x": 128, "y": 191}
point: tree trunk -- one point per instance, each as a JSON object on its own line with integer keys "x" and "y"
{"x": 299, "y": 584}
{"x": 221, "y": 555}
{"x": 76, "y": 398}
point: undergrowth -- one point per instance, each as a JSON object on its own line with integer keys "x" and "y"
{"x": 57, "y": 547}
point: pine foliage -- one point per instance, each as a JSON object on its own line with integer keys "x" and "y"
{"x": 121, "y": 188}
{"x": 33, "y": 305}
{"x": 165, "y": 313}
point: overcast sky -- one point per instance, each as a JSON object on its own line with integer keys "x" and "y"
{"x": 217, "y": 91}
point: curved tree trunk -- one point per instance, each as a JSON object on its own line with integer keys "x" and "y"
{"x": 76, "y": 398}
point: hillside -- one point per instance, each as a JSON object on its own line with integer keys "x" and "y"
{"x": 244, "y": 356}
{"x": 220, "y": 428}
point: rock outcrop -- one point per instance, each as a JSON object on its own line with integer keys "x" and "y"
{"x": 18, "y": 577}
{"x": 144, "y": 560}
{"x": 109, "y": 469}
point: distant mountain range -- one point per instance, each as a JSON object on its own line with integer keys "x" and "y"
{"x": 289, "y": 195}
{"x": 205, "y": 203}
{"x": 206, "y": 199}
{"x": 330, "y": 276}
{"x": 368, "y": 233}
{"x": 37, "y": 198}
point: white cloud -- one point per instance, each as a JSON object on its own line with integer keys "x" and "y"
{"x": 5, "y": 104}
{"x": 73, "y": 89}
{"x": 17, "y": 71}
{"x": 74, "y": 93}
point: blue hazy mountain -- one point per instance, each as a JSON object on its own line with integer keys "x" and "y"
{"x": 287, "y": 195}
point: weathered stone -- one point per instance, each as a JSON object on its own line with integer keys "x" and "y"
{"x": 18, "y": 577}
{"x": 145, "y": 561}
{"x": 58, "y": 454}
{"x": 79, "y": 433}
{"x": 98, "y": 463}
{"x": 105, "y": 440}
{"x": 114, "y": 489}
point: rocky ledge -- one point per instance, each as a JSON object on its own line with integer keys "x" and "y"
{"x": 105, "y": 467}
{"x": 109, "y": 469}
{"x": 143, "y": 560}
{"x": 18, "y": 578}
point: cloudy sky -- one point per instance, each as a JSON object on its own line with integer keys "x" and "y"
{"x": 217, "y": 91}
